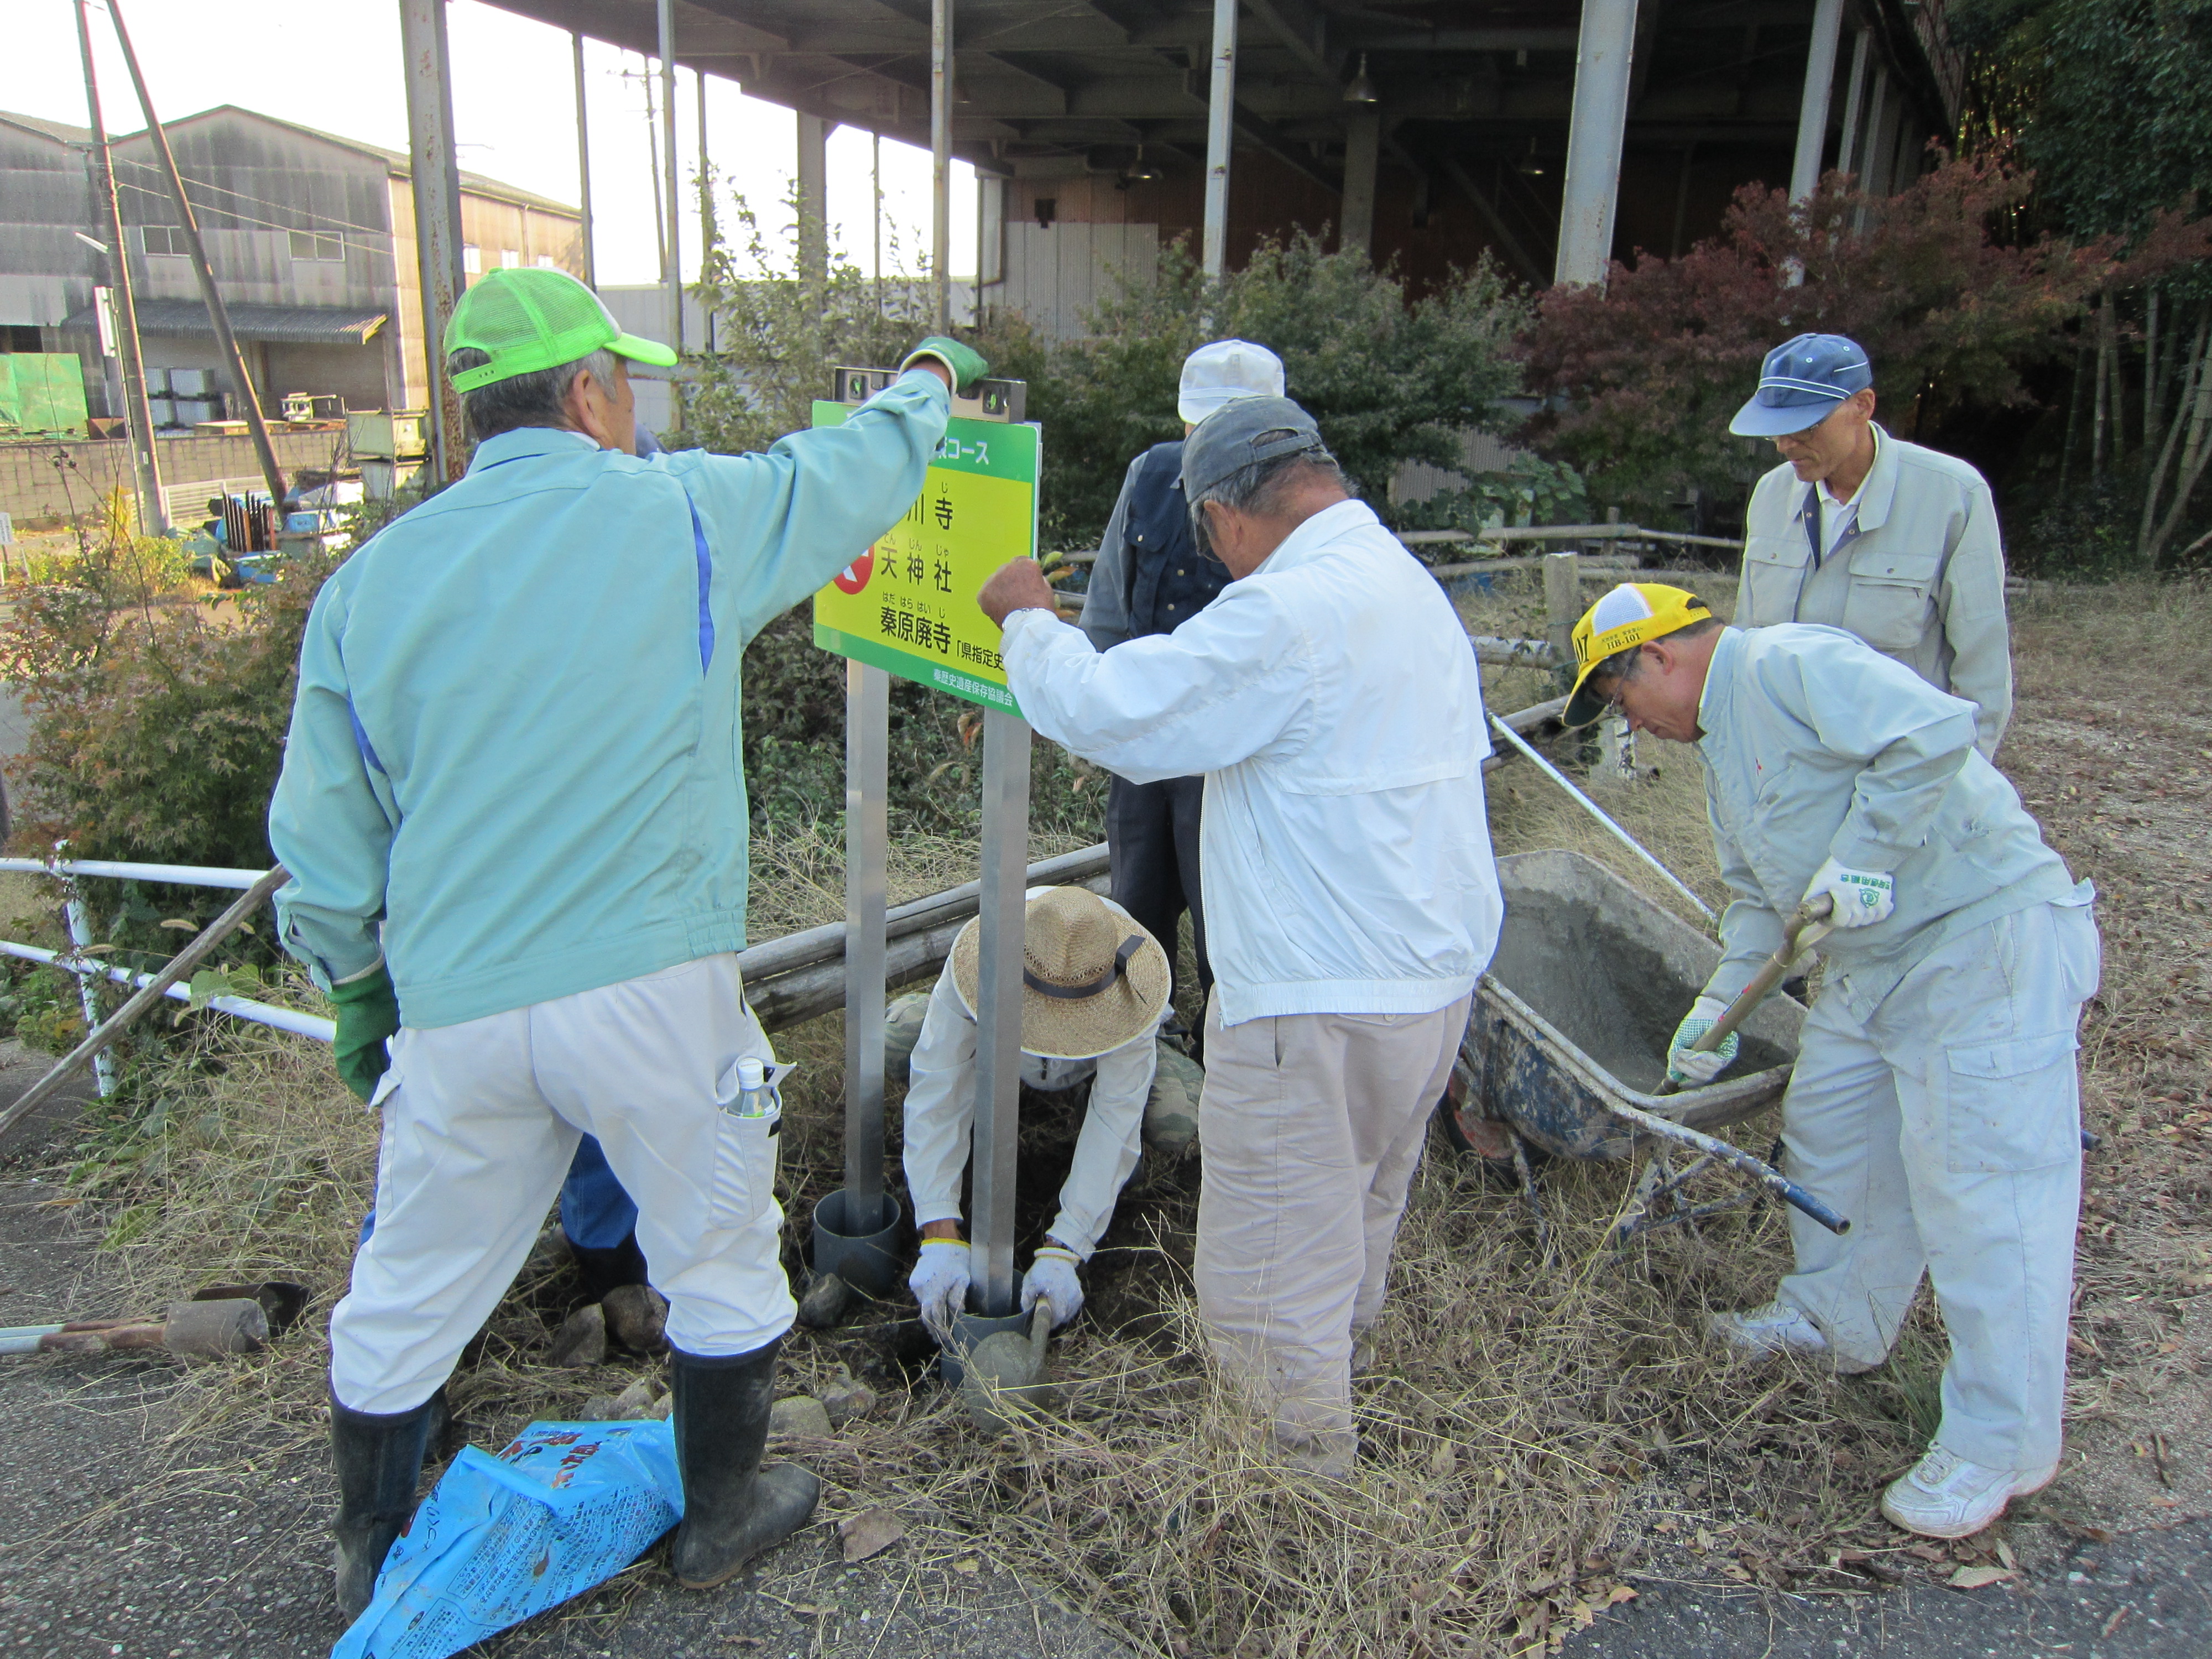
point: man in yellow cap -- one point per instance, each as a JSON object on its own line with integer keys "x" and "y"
{"x": 1934, "y": 1100}
{"x": 513, "y": 808}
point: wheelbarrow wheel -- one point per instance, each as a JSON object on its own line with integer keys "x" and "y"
{"x": 1467, "y": 1130}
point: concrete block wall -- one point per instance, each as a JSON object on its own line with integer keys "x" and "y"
{"x": 33, "y": 488}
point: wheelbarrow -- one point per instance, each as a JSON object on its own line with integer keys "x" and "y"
{"x": 1566, "y": 1043}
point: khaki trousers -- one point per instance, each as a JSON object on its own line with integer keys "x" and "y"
{"x": 1310, "y": 1126}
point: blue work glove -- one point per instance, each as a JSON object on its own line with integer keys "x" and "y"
{"x": 1051, "y": 1278}
{"x": 963, "y": 362}
{"x": 1691, "y": 1069}
{"x": 939, "y": 1284}
{"x": 369, "y": 1013}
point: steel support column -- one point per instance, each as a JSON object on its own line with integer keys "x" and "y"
{"x": 813, "y": 201}
{"x": 1220, "y": 123}
{"x": 1854, "y": 96}
{"x": 1363, "y": 145}
{"x": 999, "y": 1010}
{"x": 435, "y": 181}
{"x": 940, "y": 160}
{"x": 1812, "y": 105}
{"x": 1595, "y": 127}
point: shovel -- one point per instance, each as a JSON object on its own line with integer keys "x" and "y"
{"x": 1006, "y": 1369}
{"x": 200, "y": 1330}
{"x": 1807, "y": 928}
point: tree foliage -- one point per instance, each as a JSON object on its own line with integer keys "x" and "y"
{"x": 2109, "y": 100}
{"x": 1646, "y": 371}
{"x": 157, "y": 722}
{"x": 1388, "y": 379}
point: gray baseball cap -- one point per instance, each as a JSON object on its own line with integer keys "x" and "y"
{"x": 1240, "y": 433}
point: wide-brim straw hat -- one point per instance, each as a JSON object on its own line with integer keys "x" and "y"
{"x": 1091, "y": 979}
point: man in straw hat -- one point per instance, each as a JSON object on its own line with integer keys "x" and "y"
{"x": 1331, "y": 698}
{"x": 1934, "y": 1099}
{"x": 1094, "y": 989}
{"x": 513, "y": 809}
{"x": 1149, "y": 579}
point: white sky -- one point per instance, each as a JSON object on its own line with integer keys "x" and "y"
{"x": 335, "y": 65}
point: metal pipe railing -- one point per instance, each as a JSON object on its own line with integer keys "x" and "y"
{"x": 261, "y": 1013}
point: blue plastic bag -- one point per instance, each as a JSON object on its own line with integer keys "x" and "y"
{"x": 566, "y": 1507}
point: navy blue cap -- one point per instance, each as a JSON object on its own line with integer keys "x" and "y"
{"x": 1240, "y": 433}
{"x": 1799, "y": 385}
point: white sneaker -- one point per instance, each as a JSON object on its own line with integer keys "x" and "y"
{"x": 1775, "y": 1328}
{"x": 1779, "y": 1329}
{"x": 1947, "y": 1497}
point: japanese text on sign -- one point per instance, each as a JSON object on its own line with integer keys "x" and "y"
{"x": 907, "y": 604}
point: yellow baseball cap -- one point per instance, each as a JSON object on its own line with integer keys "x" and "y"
{"x": 1631, "y": 614}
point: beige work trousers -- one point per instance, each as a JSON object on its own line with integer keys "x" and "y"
{"x": 1310, "y": 1127}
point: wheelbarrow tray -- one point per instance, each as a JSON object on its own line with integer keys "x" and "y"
{"x": 1590, "y": 980}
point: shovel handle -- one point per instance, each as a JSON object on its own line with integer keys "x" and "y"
{"x": 1040, "y": 1326}
{"x": 1806, "y": 927}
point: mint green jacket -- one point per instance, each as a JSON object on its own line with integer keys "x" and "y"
{"x": 516, "y": 741}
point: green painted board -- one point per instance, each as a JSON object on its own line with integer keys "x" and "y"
{"x": 42, "y": 391}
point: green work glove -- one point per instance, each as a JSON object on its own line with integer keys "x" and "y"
{"x": 369, "y": 1013}
{"x": 963, "y": 362}
{"x": 1697, "y": 1069}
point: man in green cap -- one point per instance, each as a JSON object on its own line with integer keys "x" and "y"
{"x": 513, "y": 807}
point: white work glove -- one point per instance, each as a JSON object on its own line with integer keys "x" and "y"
{"x": 1688, "y": 1067}
{"x": 1862, "y": 897}
{"x": 1051, "y": 1278}
{"x": 939, "y": 1284}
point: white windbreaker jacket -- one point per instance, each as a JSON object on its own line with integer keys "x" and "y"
{"x": 1333, "y": 702}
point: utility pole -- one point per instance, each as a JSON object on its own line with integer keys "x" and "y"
{"x": 584, "y": 164}
{"x": 153, "y": 516}
{"x": 435, "y": 182}
{"x": 217, "y": 313}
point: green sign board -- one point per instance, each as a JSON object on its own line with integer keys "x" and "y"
{"x": 907, "y": 603}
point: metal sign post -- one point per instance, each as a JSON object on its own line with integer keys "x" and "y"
{"x": 906, "y": 607}
{"x": 998, "y": 1012}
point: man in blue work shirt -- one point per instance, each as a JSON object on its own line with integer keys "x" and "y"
{"x": 1150, "y": 579}
{"x": 516, "y": 746}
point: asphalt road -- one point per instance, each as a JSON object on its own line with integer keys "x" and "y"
{"x": 2139, "y": 1596}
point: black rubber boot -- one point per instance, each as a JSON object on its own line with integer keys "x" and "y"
{"x": 379, "y": 1460}
{"x": 598, "y": 1271}
{"x": 734, "y": 1509}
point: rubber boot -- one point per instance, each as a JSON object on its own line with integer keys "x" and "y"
{"x": 379, "y": 1460}
{"x": 598, "y": 1271}
{"x": 734, "y": 1509}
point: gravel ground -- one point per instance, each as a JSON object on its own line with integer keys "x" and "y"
{"x": 118, "y": 1538}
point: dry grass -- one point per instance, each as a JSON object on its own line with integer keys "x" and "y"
{"x": 1537, "y": 1429}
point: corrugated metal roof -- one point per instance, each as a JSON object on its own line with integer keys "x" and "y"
{"x": 59, "y": 130}
{"x": 398, "y": 160}
{"x": 286, "y": 324}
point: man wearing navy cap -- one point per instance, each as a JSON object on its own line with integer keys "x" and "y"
{"x": 1859, "y": 530}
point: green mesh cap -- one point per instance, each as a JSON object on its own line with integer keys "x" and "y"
{"x": 533, "y": 319}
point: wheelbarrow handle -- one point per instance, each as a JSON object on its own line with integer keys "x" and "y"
{"x": 1737, "y": 1158}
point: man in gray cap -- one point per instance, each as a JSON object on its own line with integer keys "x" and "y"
{"x": 1860, "y": 531}
{"x": 1149, "y": 579}
{"x": 1330, "y": 697}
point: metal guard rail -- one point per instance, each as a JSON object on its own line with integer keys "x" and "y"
{"x": 181, "y": 875}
